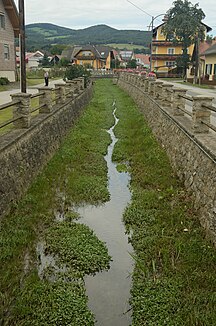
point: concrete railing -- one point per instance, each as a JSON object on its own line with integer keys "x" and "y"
{"x": 49, "y": 98}
{"x": 34, "y": 138}
{"x": 185, "y": 126}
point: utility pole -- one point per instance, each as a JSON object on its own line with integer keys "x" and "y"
{"x": 152, "y": 28}
{"x": 22, "y": 46}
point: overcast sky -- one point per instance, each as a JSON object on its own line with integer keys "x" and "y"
{"x": 120, "y": 14}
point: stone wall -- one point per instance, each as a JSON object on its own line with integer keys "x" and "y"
{"x": 24, "y": 152}
{"x": 193, "y": 155}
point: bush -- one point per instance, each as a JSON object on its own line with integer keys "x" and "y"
{"x": 76, "y": 71}
{"x": 4, "y": 81}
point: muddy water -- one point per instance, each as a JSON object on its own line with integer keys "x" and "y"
{"x": 109, "y": 292}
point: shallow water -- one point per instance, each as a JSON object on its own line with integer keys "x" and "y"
{"x": 109, "y": 291}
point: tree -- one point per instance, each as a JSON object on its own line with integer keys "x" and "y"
{"x": 184, "y": 25}
{"x": 132, "y": 64}
{"x": 64, "y": 62}
{"x": 45, "y": 62}
{"x": 57, "y": 49}
{"x": 76, "y": 71}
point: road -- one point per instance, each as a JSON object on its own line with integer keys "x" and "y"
{"x": 5, "y": 95}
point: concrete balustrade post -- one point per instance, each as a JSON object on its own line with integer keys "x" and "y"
{"x": 146, "y": 85}
{"x": 81, "y": 83}
{"x": 22, "y": 110}
{"x": 158, "y": 89}
{"x": 167, "y": 95}
{"x": 70, "y": 89}
{"x": 178, "y": 101}
{"x": 151, "y": 87}
{"x": 60, "y": 90}
{"x": 45, "y": 99}
{"x": 76, "y": 86}
{"x": 200, "y": 114}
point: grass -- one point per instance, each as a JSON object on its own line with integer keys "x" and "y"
{"x": 174, "y": 277}
{"x": 77, "y": 174}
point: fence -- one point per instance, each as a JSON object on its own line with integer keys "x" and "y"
{"x": 24, "y": 106}
{"x": 38, "y": 130}
{"x": 185, "y": 127}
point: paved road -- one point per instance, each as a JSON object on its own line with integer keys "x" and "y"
{"x": 5, "y": 95}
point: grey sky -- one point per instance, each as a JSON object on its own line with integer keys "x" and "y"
{"x": 119, "y": 14}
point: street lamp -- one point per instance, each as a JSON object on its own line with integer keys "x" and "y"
{"x": 22, "y": 46}
{"x": 152, "y": 27}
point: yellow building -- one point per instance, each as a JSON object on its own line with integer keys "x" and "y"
{"x": 210, "y": 63}
{"x": 90, "y": 56}
{"x": 165, "y": 53}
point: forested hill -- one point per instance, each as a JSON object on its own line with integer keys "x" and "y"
{"x": 40, "y": 35}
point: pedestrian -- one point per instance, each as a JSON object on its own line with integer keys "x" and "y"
{"x": 46, "y": 78}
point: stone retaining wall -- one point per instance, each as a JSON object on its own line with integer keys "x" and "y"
{"x": 23, "y": 152}
{"x": 193, "y": 155}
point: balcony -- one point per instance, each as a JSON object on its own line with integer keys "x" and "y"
{"x": 165, "y": 43}
{"x": 167, "y": 57}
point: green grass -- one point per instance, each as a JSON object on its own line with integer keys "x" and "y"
{"x": 174, "y": 277}
{"x": 77, "y": 174}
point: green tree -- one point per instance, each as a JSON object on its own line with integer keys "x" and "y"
{"x": 57, "y": 48}
{"x": 132, "y": 64}
{"x": 184, "y": 25}
{"x": 45, "y": 62}
{"x": 64, "y": 62}
{"x": 76, "y": 71}
{"x": 115, "y": 63}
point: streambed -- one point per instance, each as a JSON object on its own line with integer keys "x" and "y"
{"x": 109, "y": 291}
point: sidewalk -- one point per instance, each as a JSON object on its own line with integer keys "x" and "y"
{"x": 194, "y": 91}
{"x": 5, "y": 95}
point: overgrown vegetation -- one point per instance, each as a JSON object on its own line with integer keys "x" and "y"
{"x": 174, "y": 277}
{"x": 4, "y": 81}
{"x": 77, "y": 174}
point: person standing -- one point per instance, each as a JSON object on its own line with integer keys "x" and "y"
{"x": 46, "y": 78}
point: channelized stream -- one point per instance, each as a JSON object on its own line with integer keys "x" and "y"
{"x": 109, "y": 292}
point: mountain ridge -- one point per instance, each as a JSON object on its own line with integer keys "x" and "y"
{"x": 41, "y": 35}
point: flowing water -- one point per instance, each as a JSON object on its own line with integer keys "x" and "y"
{"x": 109, "y": 291}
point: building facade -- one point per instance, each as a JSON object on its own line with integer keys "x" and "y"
{"x": 164, "y": 53}
{"x": 9, "y": 29}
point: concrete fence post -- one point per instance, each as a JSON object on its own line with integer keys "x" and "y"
{"x": 81, "y": 82}
{"x": 158, "y": 89}
{"x": 178, "y": 101}
{"x": 167, "y": 95}
{"x": 45, "y": 99}
{"x": 146, "y": 85}
{"x": 60, "y": 93}
{"x": 70, "y": 89}
{"x": 151, "y": 87}
{"x": 22, "y": 110}
{"x": 200, "y": 114}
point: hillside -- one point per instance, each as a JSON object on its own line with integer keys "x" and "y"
{"x": 42, "y": 35}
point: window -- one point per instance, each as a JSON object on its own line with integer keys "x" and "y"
{"x": 170, "y": 63}
{"x": 209, "y": 69}
{"x": 6, "y": 52}
{"x": 2, "y": 21}
{"x": 171, "y": 51}
{"x": 86, "y": 53}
